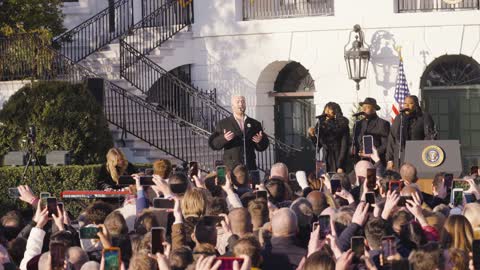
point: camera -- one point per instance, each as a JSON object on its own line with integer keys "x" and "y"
{"x": 32, "y": 133}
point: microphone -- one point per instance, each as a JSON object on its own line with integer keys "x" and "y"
{"x": 358, "y": 114}
{"x": 404, "y": 110}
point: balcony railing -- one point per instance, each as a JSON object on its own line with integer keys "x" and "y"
{"x": 269, "y": 9}
{"x": 435, "y": 5}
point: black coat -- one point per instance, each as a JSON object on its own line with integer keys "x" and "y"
{"x": 417, "y": 126}
{"x": 333, "y": 138}
{"x": 283, "y": 253}
{"x": 233, "y": 150}
{"x": 378, "y": 128}
{"x": 105, "y": 180}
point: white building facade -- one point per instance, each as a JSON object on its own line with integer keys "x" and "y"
{"x": 287, "y": 58}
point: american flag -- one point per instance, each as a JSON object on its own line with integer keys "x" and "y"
{"x": 401, "y": 91}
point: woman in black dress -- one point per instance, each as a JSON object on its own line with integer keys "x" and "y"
{"x": 117, "y": 164}
{"x": 333, "y": 136}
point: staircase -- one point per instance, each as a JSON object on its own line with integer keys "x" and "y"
{"x": 146, "y": 105}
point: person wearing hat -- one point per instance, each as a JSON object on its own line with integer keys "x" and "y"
{"x": 372, "y": 125}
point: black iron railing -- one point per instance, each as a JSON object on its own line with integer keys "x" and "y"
{"x": 270, "y": 9}
{"x": 165, "y": 91}
{"x": 160, "y": 129}
{"x": 96, "y": 32}
{"x": 435, "y": 5}
{"x": 183, "y": 100}
{"x": 159, "y": 26}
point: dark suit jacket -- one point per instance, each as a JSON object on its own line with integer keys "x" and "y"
{"x": 379, "y": 129}
{"x": 283, "y": 253}
{"x": 419, "y": 126}
{"x": 233, "y": 153}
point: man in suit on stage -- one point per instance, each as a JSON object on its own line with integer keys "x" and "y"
{"x": 229, "y": 135}
{"x": 372, "y": 125}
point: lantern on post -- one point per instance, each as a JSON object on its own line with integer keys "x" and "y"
{"x": 357, "y": 57}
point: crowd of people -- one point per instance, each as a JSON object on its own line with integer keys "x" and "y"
{"x": 175, "y": 217}
{"x": 277, "y": 224}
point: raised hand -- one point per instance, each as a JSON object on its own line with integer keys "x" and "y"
{"x": 228, "y": 135}
{"x": 390, "y": 204}
{"x": 361, "y": 214}
{"x": 258, "y": 137}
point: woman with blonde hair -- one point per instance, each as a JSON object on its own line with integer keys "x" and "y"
{"x": 457, "y": 233}
{"x": 117, "y": 165}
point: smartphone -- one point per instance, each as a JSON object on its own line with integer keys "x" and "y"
{"x": 370, "y": 199}
{"x": 227, "y": 262}
{"x": 57, "y": 253}
{"x": 388, "y": 247}
{"x": 394, "y": 185}
{"x": 163, "y": 203}
{"x": 476, "y": 253}
{"x": 368, "y": 144}
{"x": 52, "y": 206}
{"x": 193, "y": 168}
{"x": 158, "y": 237}
{"x": 457, "y": 196}
{"x": 403, "y": 200}
{"x": 89, "y": 233}
{"x": 13, "y": 193}
{"x": 146, "y": 180}
{"x": 325, "y": 228}
{"x": 214, "y": 220}
{"x": 448, "y": 180}
{"x": 179, "y": 188}
{"x": 126, "y": 180}
{"x": 261, "y": 194}
{"x": 336, "y": 185}
{"x": 469, "y": 197}
{"x": 112, "y": 258}
{"x": 221, "y": 175}
{"x": 320, "y": 168}
{"x": 358, "y": 248}
{"x": 331, "y": 174}
{"x": 371, "y": 178}
{"x": 43, "y": 199}
{"x": 255, "y": 176}
{"x": 60, "y": 206}
{"x": 460, "y": 184}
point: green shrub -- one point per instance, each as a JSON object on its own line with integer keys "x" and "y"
{"x": 57, "y": 179}
{"x": 66, "y": 116}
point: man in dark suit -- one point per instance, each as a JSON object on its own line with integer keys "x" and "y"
{"x": 372, "y": 125}
{"x": 417, "y": 125}
{"x": 230, "y": 133}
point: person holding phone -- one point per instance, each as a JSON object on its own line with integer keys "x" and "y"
{"x": 110, "y": 172}
{"x": 239, "y": 136}
{"x": 370, "y": 125}
{"x": 417, "y": 125}
{"x": 331, "y": 133}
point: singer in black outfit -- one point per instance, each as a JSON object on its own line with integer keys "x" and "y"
{"x": 229, "y": 134}
{"x": 417, "y": 125}
{"x": 372, "y": 125}
{"x": 333, "y": 135}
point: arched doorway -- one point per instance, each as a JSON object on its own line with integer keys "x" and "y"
{"x": 451, "y": 94}
{"x": 294, "y": 114}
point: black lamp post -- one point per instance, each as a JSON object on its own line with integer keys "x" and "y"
{"x": 357, "y": 57}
